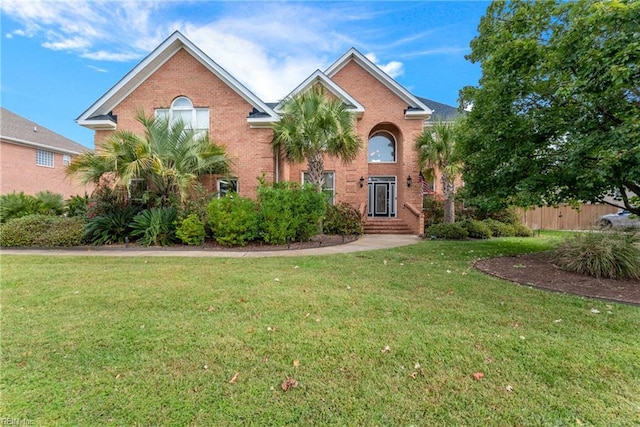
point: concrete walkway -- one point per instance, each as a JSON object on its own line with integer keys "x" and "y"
{"x": 367, "y": 242}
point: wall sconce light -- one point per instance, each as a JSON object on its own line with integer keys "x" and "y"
{"x": 409, "y": 179}
{"x": 361, "y": 181}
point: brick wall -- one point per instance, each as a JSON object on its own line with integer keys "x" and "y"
{"x": 183, "y": 75}
{"x": 19, "y": 172}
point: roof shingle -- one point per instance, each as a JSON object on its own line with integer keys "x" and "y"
{"x": 15, "y": 128}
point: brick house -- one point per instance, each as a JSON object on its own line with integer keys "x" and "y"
{"x": 178, "y": 80}
{"x": 33, "y": 158}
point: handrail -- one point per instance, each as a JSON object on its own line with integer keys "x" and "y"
{"x": 413, "y": 209}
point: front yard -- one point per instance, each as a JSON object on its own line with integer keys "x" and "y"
{"x": 388, "y": 337}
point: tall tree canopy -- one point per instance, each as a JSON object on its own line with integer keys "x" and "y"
{"x": 556, "y": 115}
{"x": 436, "y": 147}
{"x": 312, "y": 125}
{"x": 170, "y": 158}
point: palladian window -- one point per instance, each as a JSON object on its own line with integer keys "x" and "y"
{"x": 182, "y": 109}
{"x": 382, "y": 148}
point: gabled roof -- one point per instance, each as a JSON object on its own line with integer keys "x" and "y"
{"x": 416, "y": 109}
{"x": 18, "y": 130}
{"x": 441, "y": 112}
{"x": 98, "y": 115}
{"x": 318, "y": 77}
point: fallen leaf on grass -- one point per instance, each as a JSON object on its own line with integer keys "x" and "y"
{"x": 235, "y": 378}
{"x": 296, "y": 363}
{"x": 288, "y": 383}
{"x": 211, "y": 308}
{"x": 595, "y": 311}
{"x": 509, "y": 388}
{"x": 386, "y": 349}
{"x": 478, "y": 375}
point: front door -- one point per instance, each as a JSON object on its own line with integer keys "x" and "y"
{"x": 382, "y": 196}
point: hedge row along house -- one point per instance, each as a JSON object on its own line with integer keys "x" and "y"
{"x": 177, "y": 80}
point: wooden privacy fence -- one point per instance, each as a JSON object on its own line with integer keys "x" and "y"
{"x": 565, "y": 217}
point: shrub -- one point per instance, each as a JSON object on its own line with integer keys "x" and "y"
{"x": 521, "y": 230}
{"x": 107, "y": 200}
{"x": 476, "y": 229}
{"x": 191, "y": 230}
{"x": 500, "y": 229}
{"x": 447, "y": 231}
{"x": 16, "y": 205}
{"x": 156, "y": 226}
{"x": 233, "y": 220}
{"x": 289, "y": 212}
{"x": 433, "y": 208}
{"x": 78, "y": 206}
{"x": 344, "y": 220}
{"x": 50, "y": 203}
{"x": 612, "y": 255}
{"x": 42, "y": 231}
{"x": 111, "y": 227}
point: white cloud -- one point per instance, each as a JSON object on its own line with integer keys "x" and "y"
{"x": 392, "y": 68}
{"x": 269, "y": 49}
{"x": 98, "y": 69}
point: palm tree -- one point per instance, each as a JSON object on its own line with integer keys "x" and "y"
{"x": 436, "y": 148}
{"x": 170, "y": 158}
{"x": 313, "y": 125}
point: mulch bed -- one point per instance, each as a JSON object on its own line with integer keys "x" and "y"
{"x": 538, "y": 270}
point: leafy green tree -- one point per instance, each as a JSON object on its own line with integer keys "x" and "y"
{"x": 437, "y": 149}
{"x": 170, "y": 159}
{"x": 312, "y": 125}
{"x": 556, "y": 114}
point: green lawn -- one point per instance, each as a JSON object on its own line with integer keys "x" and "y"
{"x": 374, "y": 338}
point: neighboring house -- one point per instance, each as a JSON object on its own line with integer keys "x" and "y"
{"x": 33, "y": 158}
{"x": 178, "y": 80}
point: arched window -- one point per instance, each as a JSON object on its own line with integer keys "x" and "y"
{"x": 182, "y": 109}
{"x": 382, "y": 148}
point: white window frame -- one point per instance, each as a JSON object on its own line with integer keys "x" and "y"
{"x": 66, "y": 159}
{"x": 172, "y": 114}
{"x": 391, "y": 137}
{"x": 329, "y": 191}
{"x": 227, "y": 181}
{"x": 45, "y": 158}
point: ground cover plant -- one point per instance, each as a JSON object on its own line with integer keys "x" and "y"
{"x": 409, "y": 336}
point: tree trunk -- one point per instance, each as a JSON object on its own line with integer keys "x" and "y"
{"x": 448, "y": 189}
{"x": 316, "y": 171}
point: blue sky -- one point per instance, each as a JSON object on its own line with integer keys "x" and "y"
{"x": 59, "y": 57}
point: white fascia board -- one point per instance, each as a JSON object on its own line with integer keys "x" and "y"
{"x": 37, "y": 145}
{"x": 319, "y": 77}
{"x": 262, "y": 122}
{"x": 151, "y": 64}
{"x": 382, "y": 77}
{"x": 97, "y": 124}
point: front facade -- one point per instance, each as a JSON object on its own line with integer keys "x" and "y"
{"x": 33, "y": 158}
{"x": 177, "y": 80}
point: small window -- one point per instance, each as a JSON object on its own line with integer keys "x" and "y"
{"x": 44, "y": 158}
{"x": 226, "y": 186}
{"x": 328, "y": 188}
{"x": 66, "y": 159}
{"x": 382, "y": 148}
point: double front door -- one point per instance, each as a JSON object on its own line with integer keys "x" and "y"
{"x": 382, "y": 196}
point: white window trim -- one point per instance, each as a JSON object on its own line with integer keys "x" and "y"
{"x": 66, "y": 159}
{"x": 333, "y": 186}
{"x": 221, "y": 180}
{"x": 40, "y": 157}
{"x": 395, "y": 148}
{"x": 194, "y": 114}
